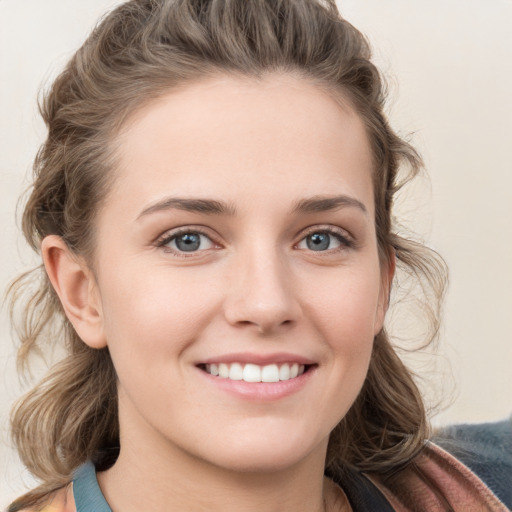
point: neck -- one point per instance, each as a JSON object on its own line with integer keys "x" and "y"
{"x": 173, "y": 481}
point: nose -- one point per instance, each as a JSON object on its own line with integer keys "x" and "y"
{"x": 262, "y": 294}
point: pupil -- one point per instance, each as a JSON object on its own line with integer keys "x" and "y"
{"x": 188, "y": 242}
{"x": 318, "y": 241}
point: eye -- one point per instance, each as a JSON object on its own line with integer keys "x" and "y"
{"x": 323, "y": 240}
{"x": 186, "y": 242}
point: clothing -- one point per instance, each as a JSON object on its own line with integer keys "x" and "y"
{"x": 436, "y": 481}
{"x": 87, "y": 492}
{"x": 486, "y": 449}
{"x": 461, "y": 489}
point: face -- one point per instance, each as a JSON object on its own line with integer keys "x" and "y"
{"x": 237, "y": 271}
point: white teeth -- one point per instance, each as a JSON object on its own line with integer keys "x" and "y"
{"x": 270, "y": 373}
{"x": 252, "y": 373}
{"x": 236, "y": 372}
{"x": 223, "y": 371}
{"x": 255, "y": 373}
{"x": 284, "y": 372}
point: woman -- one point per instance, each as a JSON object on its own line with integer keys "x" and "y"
{"x": 213, "y": 209}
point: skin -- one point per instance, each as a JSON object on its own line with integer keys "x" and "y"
{"x": 254, "y": 287}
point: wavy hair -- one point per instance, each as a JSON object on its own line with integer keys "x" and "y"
{"x": 139, "y": 51}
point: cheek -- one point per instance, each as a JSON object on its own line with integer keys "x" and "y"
{"x": 349, "y": 304}
{"x": 155, "y": 311}
{"x": 151, "y": 318}
{"x": 346, "y": 315}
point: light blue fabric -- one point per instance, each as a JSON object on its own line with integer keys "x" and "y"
{"x": 87, "y": 492}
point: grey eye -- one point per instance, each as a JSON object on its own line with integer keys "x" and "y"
{"x": 322, "y": 241}
{"x": 318, "y": 241}
{"x": 189, "y": 242}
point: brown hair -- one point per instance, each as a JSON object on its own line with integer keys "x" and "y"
{"x": 139, "y": 51}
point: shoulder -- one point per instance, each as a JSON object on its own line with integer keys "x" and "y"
{"x": 486, "y": 449}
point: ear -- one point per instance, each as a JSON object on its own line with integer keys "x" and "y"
{"x": 76, "y": 287}
{"x": 388, "y": 267}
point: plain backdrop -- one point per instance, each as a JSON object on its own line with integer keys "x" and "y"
{"x": 449, "y": 67}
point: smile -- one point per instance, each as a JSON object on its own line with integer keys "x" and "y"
{"x": 255, "y": 373}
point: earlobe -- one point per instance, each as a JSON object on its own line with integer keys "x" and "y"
{"x": 76, "y": 287}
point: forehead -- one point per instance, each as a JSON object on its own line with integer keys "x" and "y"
{"x": 230, "y": 135}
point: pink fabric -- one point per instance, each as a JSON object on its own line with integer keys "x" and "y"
{"x": 438, "y": 482}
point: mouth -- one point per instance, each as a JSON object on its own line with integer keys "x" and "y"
{"x": 249, "y": 372}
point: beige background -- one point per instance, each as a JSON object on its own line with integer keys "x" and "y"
{"x": 449, "y": 63}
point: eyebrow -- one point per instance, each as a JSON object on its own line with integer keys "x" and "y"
{"x": 214, "y": 207}
{"x": 206, "y": 206}
{"x": 323, "y": 204}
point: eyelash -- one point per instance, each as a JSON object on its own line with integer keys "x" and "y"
{"x": 345, "y": 240}
{"x": 340, "y": 235}
{"x": 168, "y": 237}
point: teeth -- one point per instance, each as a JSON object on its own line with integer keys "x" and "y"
{"x": 270, "y": 373}
{"x": 255, "y": 373}
{"x": 236, "y": 372}
{"x": 252, "y": 373}
{"x": 223, "y": 371}
{"x": 284, "y": 372}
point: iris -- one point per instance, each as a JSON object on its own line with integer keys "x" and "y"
{"x": 188, "y": 242}
{"x": 318, "y": 241}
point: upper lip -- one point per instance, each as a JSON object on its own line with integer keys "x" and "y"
{"x": 259, "y": 359}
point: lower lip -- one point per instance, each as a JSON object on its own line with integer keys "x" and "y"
{"x": 260, "y": 391}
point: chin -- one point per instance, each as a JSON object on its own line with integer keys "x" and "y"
{"x": 271, "y": 463}
{"x": 269, "y": 455}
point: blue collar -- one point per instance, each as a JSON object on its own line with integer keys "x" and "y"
{"x": 87, "y": 492}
